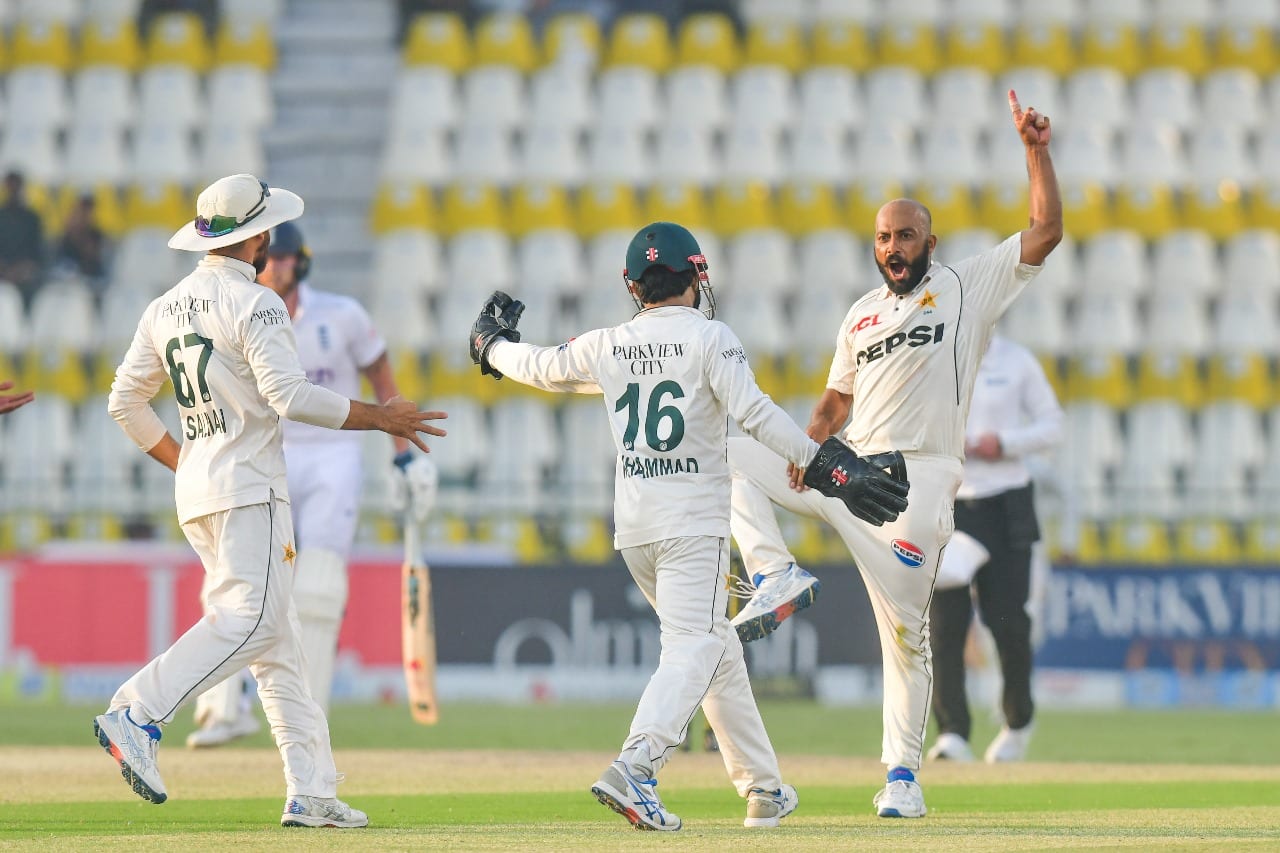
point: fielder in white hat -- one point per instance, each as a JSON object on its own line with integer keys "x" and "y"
{"x": 226, "y": 344}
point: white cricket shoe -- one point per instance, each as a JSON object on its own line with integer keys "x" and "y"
{"x": 901, "y": 798}
{"x": 322, "y": 811}
{"x": 1009, "y": 745}
{"x": 635, "y": 798}
{"x": 950, "y": 747}
{"x": 772, "y": 600}
{"x": 219, "y": 732}
{"x": 767, "y": 808}
{"x": 134, "y": 749}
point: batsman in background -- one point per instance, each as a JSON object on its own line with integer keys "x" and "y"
{"x": 226, "y": 344}
{"x": 903, "y": 374}
{"x": 337, "y": 343}
{"x": 671, "y": 377}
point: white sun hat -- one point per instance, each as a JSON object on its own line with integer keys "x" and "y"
{"x": 233, "y": 209}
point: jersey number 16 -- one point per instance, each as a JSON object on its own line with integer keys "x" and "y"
{"x": 655, "y": 414}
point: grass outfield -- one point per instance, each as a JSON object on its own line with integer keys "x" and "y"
{"x": 501, "y": 778}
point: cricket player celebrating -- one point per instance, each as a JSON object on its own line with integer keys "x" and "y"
{"x": 670, "y": 378}
{"x": 226, "y": 344}
{"x": 904, "y": 369}
{"x": 337, "y": 343}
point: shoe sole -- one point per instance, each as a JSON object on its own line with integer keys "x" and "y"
{"x": 896, "y": 813}
{"x": 613, "y": 801}
{"x": 766, "y": 623}
{"x": 141, "y": 788}
{"x": 309, "y": 822}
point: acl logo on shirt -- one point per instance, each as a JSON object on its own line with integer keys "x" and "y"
{"x": 908, "y": 553}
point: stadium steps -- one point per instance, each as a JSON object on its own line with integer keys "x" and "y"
{"x": 336, "y": 64}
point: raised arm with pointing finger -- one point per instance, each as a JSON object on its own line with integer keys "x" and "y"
{"x": 1045, "y": 230}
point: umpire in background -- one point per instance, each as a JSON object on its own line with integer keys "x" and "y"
{"x": 1014, "y": 413}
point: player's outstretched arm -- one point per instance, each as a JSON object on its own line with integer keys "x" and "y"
{"x": 1045, "y": 231}
{"x": 9, "y": 402}
{"x": 395, "y": 417}
{"x": 497, "y": 321}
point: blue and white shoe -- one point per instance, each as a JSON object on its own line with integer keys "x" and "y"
{"x": 772, "y": 600}
{"x": 767, "y": 808}
{"x": 635, "y": 798}
{"x": 901, "y": 797}
{"x": 134, "y": 749}
{"x": 322, "y": 811}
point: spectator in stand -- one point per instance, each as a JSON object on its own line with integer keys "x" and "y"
{"x": 21, "y": 238}
{"x": 83, "y": 244}
{"x": 206, "y": 9}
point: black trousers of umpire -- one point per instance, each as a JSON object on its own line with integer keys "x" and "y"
{"x": 1006, "y": 526}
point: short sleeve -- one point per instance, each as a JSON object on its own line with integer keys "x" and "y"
{"x": 994, "y": 278}
{"x": 843, "y": 366}
{"x": 364, "y": 343}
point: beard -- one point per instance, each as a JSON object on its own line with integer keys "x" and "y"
{"x": 260, "y": 258}
{"x": 916, "y": 270}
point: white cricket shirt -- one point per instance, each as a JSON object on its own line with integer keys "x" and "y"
{"x": 671, "y": 378}
{"x": 1013, "y": 399}
{"x": 336, "y": 341}
{"x": 910, "y": 361}
{"x": 226, "y": 345}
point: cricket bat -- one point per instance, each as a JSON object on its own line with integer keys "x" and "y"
{"x": 418, "y": 628}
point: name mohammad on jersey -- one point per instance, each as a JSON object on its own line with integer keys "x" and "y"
{"x": 643, "y": 466}
{"x": 646, "y": 359}
{"x": 917, "y": 337}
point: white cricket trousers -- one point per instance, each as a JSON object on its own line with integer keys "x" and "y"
{"x": 685, "y": 581}
{"x": 249, "y": 618}
{"x": 897, "y": 561}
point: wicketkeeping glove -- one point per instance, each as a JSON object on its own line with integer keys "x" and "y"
{"x": 498, "y": 319}
{"x": 414, "y": 484}
{"x": 874, "y": 489}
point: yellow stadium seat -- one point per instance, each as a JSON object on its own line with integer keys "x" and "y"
{"x": 448, "y": 529}
{"x": 60, "y": 372}
{"x": 23, "y": 530}
{"x": 1217, "y": 208}
{"x": 640, "y": 40}
{"x": 178, "y": 38}
{"x": 1054, "y": 371}
{"x": 587, "y": 539}
{"x": 739, "y": 207}
{"x": 841, "y": 43}
{"x": 774, "y": 42}
{"x": 468, "y": 206}
{"x": 607, "y": 207}
{"x": 683, "y": 203}
{"x": 438, "y": 38}
{"x": 1086, "y": 550}
{"x": 1086, "y": 210}
{"x": 1206, "y": 541}
{"x": 1047, "y": 45}
{"x": 1149, "y": 209}
{"x": 160, "y": 206}
{"x": 1003, "y": 207}
{"x": 1241, "y": 376}
{"x": 1249, "y": 47}
{"x": 537, "y": 206}
{"x": 572, "y": 39}
{"x": 864, "y": 200}
{"x": 708, "y": 39}
{"x": 520, "y": 533}
{"x": 402, "y": 206}
{"x": 807, "y": 207}
{"x": 913, "y": 45}
{"x": 95, "y": 527}
{"x": 406, "y": 366}
{"x": 1117, "y": 45}
{"x": 108, "y": 212}
{"x": 951, "y": 205}
{"x": 45, "y": 203}
{"x": 1099, "y": 376}
{"x": 245, "y": 43}
{"x": 1178, "y": 46}
{"x": 978, "y": 45}
{"x": 110, "y": 43}
{"x": 1137, "y": 540}
{"x": 1264, "y": 207}
{"x": 1170, "y": 376}
{"x": 1262, "y": 541}
{"x": 41, "y": 43}
{"x": 506, "y": 39}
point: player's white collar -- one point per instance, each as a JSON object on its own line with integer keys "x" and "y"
{"x": 245, "y": 269}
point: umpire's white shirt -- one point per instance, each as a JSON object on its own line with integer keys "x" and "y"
{"x": 226, "y": 344}
{"x": 671, "y": 378}
{"x": 909, "y": 361}
{"x": 336, "y": 341}
{"x": 1013, "y": 399}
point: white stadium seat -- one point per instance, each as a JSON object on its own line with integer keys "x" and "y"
{"x": 1220, "y": 152}
{"x": 1252, "y": 261}
{"x": 231, "y": 148}
{"x": 685, "y": 155}
{"x": 1037, "y": 87}
{"x": 1105, "y": 323}
{"x": 63, "y": 317}
{"x": 1165, "y": 96}
{"x": 819, "y": 153}
{"x": 144, "y": 262}
{"x": 561, "y": 96}
{"x": 483, "y": 260}
{"x": 494, "y": 95}
{"x": 829, "y": 96}
{"x": 832, "y": 261}
{"x": 1037, "y": 320}
{"x": 416, "y": 155}
{"x": 33, "y": 151}
{"x": 95, "y": 154}
{"x": 1186, "y": 260}
{"x": 102, "y": 95}
{"x": 758, "y": 320}
{"x": 896, "y": 94}
{"x": 1085, "y": 155}
{"x": 949, "y": 154}
{"x": 267, "y": 11}
{"x": 408, "y": 259}
{"x": 1115, "y": 262}
{"x": 523, "y": 453}
{"x": 588, "y": 454}
{"x": 962, "y": 97}
{"x": 170, "y": 95}
{"x": 1229, "y": 449}
{"x": 470, "y": 444}
{"x": 1157, "y": 453}
{"x": 696, "y": 93}
{"x": 401, "y": 317}
{"x": 240, "y": 92}
{"x": 162, "y": 154}
{"x": 549, "y": 153}
{"x": 761, "y": 261}
{"x": 1091, "y": 448}
{"x": 1231, "y": 97}
{"x": 1060, "y": 275}
{"x": 885, "y": 150}
{"x": 627, "y": 95}
{"x": 763, "y": 95}
{"x": 752, "y": 153}
{"x": 37, "y": 94}
{"x": 103, "y": 465}
{"x": 551, "y": 264}
{"x": 13, "y": 320}
{"x": 618, "y": 154}
{"x": 484, "y": 154}
{"x": 1245, "y": 322}
{"x": 846, "y": 11}
{"x": 122, "y": 308}
{"x": 1152, "y": 154}
{"x": 966, "y": 244}
{"x": 425, "y": 97}
{"x": 997, "y": 12}
{"x": 1096, "y": 96}
{"x": 1178, "y": 323}
{"x": 39, "y": 446}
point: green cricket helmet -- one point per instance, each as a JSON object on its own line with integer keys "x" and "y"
{"x": 669, "y": 245}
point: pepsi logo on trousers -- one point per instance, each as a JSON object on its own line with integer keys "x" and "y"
{"x": 908, "y": 552}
